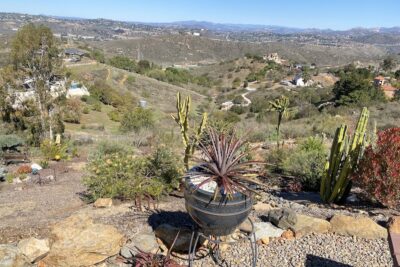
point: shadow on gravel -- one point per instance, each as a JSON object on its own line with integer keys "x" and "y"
{"x": 315, "y": 261}
{"x": 301, "y": 197}
{"x": 175, "y": 218}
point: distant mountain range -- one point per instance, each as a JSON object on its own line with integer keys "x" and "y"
{"x": 231, "y": 27}
{"x": 193, "y": 24}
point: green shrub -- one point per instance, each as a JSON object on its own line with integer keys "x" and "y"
{"x": 90, "y": 100}
{"x": 224, "y": 117}
{"x": 122, "y": 176}
{"x": 165, "y": 165}
{"x": 307, "y": 163}
{"x": 86, "y": 110}
{"x": 52, "y": 151}
{"x": 98, "y": 56}
{"x": 106, "y": 148}
{"x": 137, "y": 119}
{"x": 275, "y": 159}
{"x": 256, "y": 137}
{"x": 102, "y": 92}
{"x": 9, "y": 141}
{"x": 122, "y": 62}
{"x": 238, "y": 100}
{"x": 238, "y": 109}
{"x": 355, "y": 88}
{"x": 44, "y": 164}
{"x": 236, "y": 83}
{"x": 114, "y": 115}
{"x": 131, "y": 80}
{"x": 72, "y": 110}
{"x": 96, "y": 107}
{"x": 10, "y": 177}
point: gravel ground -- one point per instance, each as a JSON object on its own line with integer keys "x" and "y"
{"x": 27, "y": 209}
{"x": 313, "y": 250}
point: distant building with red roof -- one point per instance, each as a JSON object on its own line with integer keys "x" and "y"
{"x": 387, "y": 88}
{"x": 379, "y": 80}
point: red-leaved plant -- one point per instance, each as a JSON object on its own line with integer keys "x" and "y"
{"x": 379, "y": 169}
{"x": 24, "y": 169}
{"x": 226, "y": 162}
{"x": 148, "y": 259}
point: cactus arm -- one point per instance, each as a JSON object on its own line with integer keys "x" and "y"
{"x": 326, "y": 178}
{"x": 343, "y": 159}
{"x": 182, "y": 119}
{"x": 341, "y": 181}
{"x": 338, "y": 147}
{"x": 199, "y": 132}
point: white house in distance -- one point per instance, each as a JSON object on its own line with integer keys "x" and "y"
{"x": 27, "y": 91}
{"x": 227, "y": 105}
{"x": 77, "y": 90}
{"x": 298, "y": 81}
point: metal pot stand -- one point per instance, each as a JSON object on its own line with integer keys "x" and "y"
{"x": 216, "y": 240}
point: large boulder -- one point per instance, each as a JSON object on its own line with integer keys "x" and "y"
{"x": 103, "y": 203}
{"x": 34, "y": 249}
{"x": 167, "y": 234}
{"x": 283, "y": 218}
{"x": 262, "y": 207}
{"x": 361, "y": 226}
{"x": 307, "y": 224}
{"x": 246, "y": 226}
{"x": 11, "y": 256}
{"x": 78, "y": 241}
{"x": 265, "y": 230}
{"x": 146, "y": 242}
{"x": 300, "y": 224}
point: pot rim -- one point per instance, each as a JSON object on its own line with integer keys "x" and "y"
{"x": 192, "y": 186}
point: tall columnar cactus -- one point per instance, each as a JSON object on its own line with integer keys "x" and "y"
{"x": 343, "y": 160}
{"x": 190, "y": 139}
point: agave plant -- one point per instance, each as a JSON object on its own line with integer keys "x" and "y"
{"x": 226, "y": 163}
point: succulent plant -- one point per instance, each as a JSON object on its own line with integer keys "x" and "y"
{"x": 346, "y": 152}
{"x": 226, "y": 163}
{"x": 148, "y": 259}
{"x": 190, "y": 137}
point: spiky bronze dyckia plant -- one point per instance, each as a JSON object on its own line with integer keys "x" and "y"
{"x": 148, "y": 259}
{"x": 225, "y": 163}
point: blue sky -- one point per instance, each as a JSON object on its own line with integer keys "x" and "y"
{"x": 334, "y": 14}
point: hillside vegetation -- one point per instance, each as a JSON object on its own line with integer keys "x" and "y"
{"x": 177, "y": 49}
